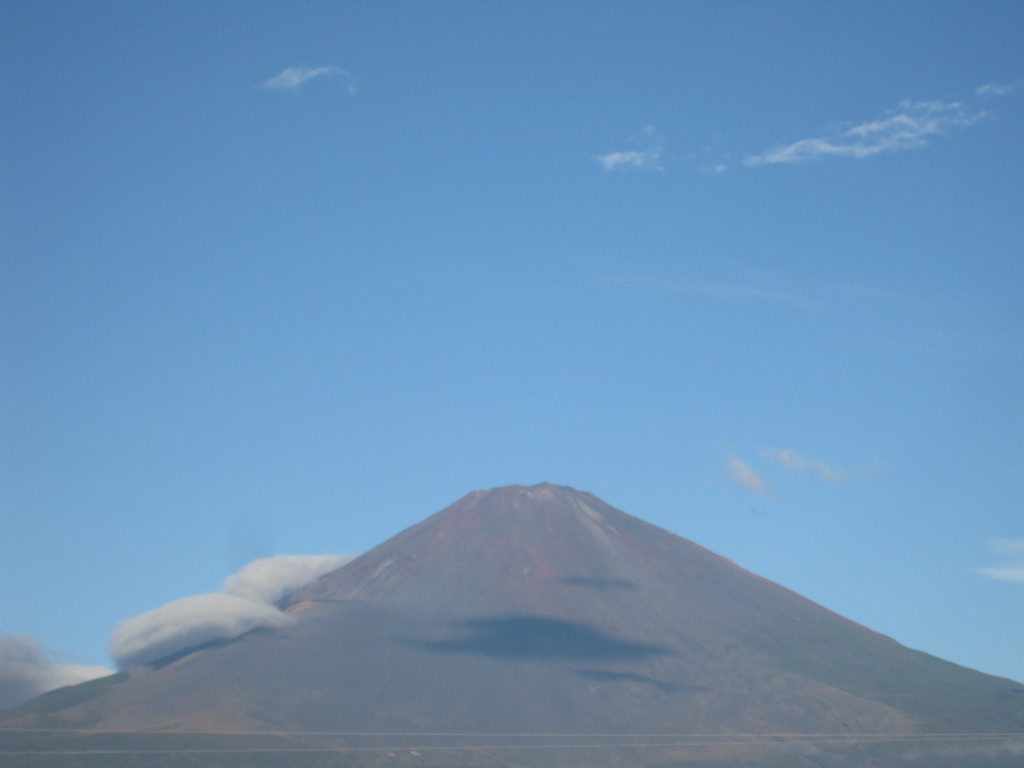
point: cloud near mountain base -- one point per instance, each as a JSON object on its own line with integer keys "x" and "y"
{"x": 269, "y": 579}
{"x": 246, "y": 601}
{"x": 27, "y": 670}
{"x": 187, "y": 623}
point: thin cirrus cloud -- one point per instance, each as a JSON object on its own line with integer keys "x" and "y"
{"x": 291, "y": 78}
{"x": 1011, "y": 567}
{"x": 246, "y": 601}
{"x": 792, "y": 459}
{"x": 999, "y": 89}
{"x": 910, "y": 126}
{"x": 27, "y": 669}
{"x": 644, "y": 158}
{"x": 746, "y": 477}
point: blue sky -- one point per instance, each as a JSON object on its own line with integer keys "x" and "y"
{"x": 284, "y": 278}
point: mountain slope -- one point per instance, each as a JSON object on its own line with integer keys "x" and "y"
{"x": 541, "y": 610}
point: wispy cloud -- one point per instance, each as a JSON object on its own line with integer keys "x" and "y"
{"x": 647, "y": 158}
{"x": 999, "y": 89}
{"x": 27, "y": 670}
{"x": 745, "y": 476}
{"x": 792, "y": 459}
{"x": 642, "y": 161}
{"x": 1012, "y": 566}
{"x": 908, "y": 127}
{"x": 290, "y": 78}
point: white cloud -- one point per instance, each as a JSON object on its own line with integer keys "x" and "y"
{"x": 908, "y": 127}
{"x": 792, "y": 459}
{"x": 186, "y": 623}
{"x": 746, "y": 476}
{"x": 27, "y": 670}
{"x": 1005, "y": 573}
{"x": 1012, "y": 568}
{"x": 269, "y": 579}
{"x": 290, "y": 78}
{"x": 245, "y": 602}
{"x": 1008, "y": 547}
{"x": 998, "y": 89}
{"x": 644, "y": 159}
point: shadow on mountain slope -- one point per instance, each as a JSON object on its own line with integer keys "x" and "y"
{"x": 538, "y": 637}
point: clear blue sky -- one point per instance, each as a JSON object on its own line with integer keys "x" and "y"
{"x": 286, "y": 277}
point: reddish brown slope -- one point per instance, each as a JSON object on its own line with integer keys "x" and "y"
{"x": 543, "y": 609}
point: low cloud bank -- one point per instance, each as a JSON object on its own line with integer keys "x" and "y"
{"x": 269, "y": 579}
{"x": 27, "y": 670}
{"x": 187, "y": 623}
{"x": 246, "y": 601}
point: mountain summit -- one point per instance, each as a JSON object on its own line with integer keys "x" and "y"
{"x": 541, "y": 612}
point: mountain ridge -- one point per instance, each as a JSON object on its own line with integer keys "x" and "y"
{"x": 540, "y": 609}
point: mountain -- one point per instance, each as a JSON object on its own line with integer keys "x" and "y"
{"x": 536, "y": 626}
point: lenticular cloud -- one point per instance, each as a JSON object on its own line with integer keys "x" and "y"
{"x": 246, "y": 601}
